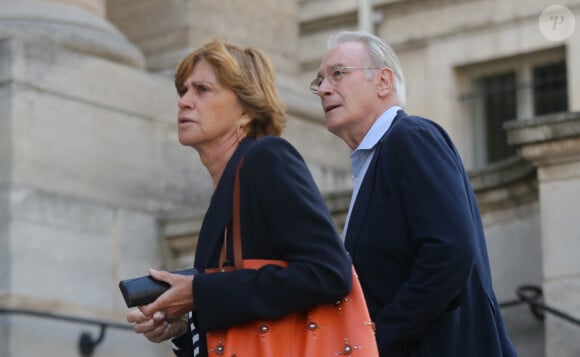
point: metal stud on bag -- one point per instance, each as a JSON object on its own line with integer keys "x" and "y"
{"x": 218, "y": 349}
{"x": 263, "y": 329}
{"x": 347, "y": 349}
{"x": 312, "y": 326}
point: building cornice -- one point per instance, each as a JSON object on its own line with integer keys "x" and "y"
{"x": 506, "y": 184}
{"x": 547, "y": 139}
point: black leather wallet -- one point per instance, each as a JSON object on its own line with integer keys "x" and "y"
{"x": 144, "y": 290}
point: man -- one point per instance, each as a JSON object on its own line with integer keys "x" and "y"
{"x": 413, "y": 229}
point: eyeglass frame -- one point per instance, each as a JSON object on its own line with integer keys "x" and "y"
{"x": 333, "y": 78}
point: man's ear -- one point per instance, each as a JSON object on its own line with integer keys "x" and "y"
{"x": 385, "y": 82}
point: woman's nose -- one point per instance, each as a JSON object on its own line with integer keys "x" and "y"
{"x": 186, "y": 100}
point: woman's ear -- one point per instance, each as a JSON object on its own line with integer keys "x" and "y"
{"x": 385, "y": 82}
{"x": 244, "y": 119}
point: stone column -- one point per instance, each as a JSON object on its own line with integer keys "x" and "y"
{"x": 365, "y": 17}
{"x": 75, "y": 24}
{"x": 168, "y": 30}
{"x": 86, "y": 137}
{"x": 552, "y": 143}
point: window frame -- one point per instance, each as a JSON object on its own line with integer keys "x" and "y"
{"x": 470, "y": 75}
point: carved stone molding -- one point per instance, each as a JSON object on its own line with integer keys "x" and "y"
{"x": 553, "y": 138}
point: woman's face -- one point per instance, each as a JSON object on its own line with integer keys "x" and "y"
{"x": 208, "y": 112}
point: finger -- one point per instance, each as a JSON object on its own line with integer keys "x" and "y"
{"x": 136, "y": 316}
{"x": 151, "y": 309}
{"x": 159, "y": 316}
{"x": 146, "y": 326}
{"x": 161, "y": 275}
{"x": 156, "y": 305}
{"x": 158, "y": 334}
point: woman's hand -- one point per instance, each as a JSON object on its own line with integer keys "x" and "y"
{"x": 175, "y": 302}
{"x": 156, "y": 328}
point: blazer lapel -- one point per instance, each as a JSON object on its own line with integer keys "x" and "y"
{"x": 361, "y": 204}
{"x": 219, "y": 213}
{"x": 359, "y": 210}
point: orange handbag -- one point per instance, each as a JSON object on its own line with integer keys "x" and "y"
{"x": 340, "y": 329}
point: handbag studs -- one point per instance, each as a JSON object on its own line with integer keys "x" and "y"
{"x": 312, "y": 326}
{"x": 218, "y": 349}
{"x": 340, "y": 303}
{"x": 347, "y": 349}
{"x": 263, "y": 328}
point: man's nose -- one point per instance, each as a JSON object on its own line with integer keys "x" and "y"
{"x": 324, "y": 87}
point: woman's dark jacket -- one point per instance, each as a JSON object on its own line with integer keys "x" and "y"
{"x": 283, "y": 217}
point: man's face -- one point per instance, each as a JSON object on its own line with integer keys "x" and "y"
{"x": 350, "y": 103}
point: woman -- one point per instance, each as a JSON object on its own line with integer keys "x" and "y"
{"x": 229, "y": 109}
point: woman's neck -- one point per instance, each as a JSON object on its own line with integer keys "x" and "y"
{"x": 216, "y": 159}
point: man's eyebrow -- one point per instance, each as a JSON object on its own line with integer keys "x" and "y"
{"x": 336, "y": 65}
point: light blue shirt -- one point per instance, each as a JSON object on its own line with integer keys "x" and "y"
{"x": 361, "y": 157}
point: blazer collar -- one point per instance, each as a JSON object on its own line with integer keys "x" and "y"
{"x": 219, "y": 212}
{"x": 359, "y": 210}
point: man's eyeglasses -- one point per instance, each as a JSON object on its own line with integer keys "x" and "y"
{"x": 334, "y": 75}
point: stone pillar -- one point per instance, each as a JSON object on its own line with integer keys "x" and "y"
{"x": 552, "y": 143}
{"x": 167, "y": 30}
{"x": 89, "y": 164}
{"x": 572, "y": 54}
{"x": 75, "y": 24}
{"x": 365, "y": 17}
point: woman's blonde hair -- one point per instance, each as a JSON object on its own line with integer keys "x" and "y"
{"x": 250, "y": 75}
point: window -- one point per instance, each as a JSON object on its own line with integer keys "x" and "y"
{"x": 511, "y": 89}
{"x": 498, "y": 96}
{"x": 550, "y": 88}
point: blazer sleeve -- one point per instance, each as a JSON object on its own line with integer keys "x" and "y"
{"x": 422, "y": 165}
{"x": 283, "y": 217}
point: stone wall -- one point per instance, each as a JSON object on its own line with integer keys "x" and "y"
{"x": 552, "y": 143}
{"x": 90, "y": 176}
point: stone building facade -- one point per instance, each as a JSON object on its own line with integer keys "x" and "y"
{"x": 94, "y": 186}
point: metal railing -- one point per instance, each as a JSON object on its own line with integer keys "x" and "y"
{"x": 533, "y": 296}
{"x": 526, "y": 294}
{"x": 87, "y": 343}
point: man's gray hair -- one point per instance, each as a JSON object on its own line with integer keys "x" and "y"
{"x": 381, "y": 55}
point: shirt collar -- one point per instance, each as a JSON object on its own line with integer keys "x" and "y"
{"x": 379, "y": 128}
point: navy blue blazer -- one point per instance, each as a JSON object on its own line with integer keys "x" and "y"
{"x": 283, "y": 216}
{"x": 416, "y": 239}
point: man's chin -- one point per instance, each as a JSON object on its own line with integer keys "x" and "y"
{"x": 332, "y": 122}
{"x": 334, "y": 129}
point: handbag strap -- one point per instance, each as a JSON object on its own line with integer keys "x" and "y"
{"x": 236, "y": 226}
